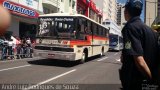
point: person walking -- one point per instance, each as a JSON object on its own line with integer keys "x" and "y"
{"x": 28, "y": 47}
{"x": 140, "y": 54}
{"x": 4, "y": 48}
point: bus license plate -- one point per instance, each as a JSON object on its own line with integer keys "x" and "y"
{"x": 51, "y": 55}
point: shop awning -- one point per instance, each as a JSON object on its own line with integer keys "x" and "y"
{"x": 156, "y": 23}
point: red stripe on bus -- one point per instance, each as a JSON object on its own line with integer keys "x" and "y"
{"x": 80, "y": 42}
{"x": 97, "y": 38}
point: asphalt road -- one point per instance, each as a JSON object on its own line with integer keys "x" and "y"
{"x": 37, "y": 73}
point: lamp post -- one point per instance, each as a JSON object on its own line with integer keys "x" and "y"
{"x": 155, "y": 2}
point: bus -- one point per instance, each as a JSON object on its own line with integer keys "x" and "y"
{"x": 70, "y": 37}
{"x": 114, "y": 28}
{"x": 115, "y": 42}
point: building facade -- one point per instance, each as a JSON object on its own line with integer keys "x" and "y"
{"x": 119, "y": 14}
{"x": 89, "y": 9}
{"x": 150, "y": 11}
{"x": 24, "y": 14}
{"x": 24, "y": 19}
{"x": 68, "y": 6}
{"x": 156, "y": 23}
{"x": 123, "y": 21}
{"x": 51, "y": 6}
{"x": 109, "y": 9}
{"x": 59, "y": 6}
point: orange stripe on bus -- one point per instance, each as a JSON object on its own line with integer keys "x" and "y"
{"x": 88, "y": 41}
{"x": 79, "y": 42}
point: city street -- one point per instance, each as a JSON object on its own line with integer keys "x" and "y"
{"x": 95, "y": 74}
{"x": 76, "y": 30}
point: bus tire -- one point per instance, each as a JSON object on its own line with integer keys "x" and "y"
{"x": 102, "y": 52}
{"x": 83, "y": 58}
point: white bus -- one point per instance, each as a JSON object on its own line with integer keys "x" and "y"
{"x": 114, "y": 28}
{"x": 70, "y": 37}
{"x": 115, "y": 37}
{"x": 115, "y": 42}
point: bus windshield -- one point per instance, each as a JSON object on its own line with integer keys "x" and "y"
{"x": 56, "y": 27}
{"x": 113, "y": 40}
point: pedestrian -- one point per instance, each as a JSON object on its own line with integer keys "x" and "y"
{"x": 140, "y": 55}
{"x": 28, "y": 47}
{"x": 4, "y": 48}
{"x": 23, "y": 47}
{"x": 10, "y": 49}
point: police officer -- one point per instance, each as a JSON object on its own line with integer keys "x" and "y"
{"x": 139, "y": 56}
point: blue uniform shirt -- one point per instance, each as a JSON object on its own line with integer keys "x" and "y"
{"x": 139, "y": 40}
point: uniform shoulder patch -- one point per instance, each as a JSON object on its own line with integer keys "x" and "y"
{"x": 128, "y": 45}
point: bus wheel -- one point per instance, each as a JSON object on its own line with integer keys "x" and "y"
{"x": 102, "y": 53}
{"x": 83, "y": 58}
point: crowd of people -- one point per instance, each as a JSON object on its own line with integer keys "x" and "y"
{"x": 15, "y": 48}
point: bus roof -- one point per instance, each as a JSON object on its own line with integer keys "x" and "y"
{"x": 70, "y": 15}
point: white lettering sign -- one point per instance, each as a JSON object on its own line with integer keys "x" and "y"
{"x": 64, "y": 19}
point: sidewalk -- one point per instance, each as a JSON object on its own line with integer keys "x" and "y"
{"x": 23, "y": 59}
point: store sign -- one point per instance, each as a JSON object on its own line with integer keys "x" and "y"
{"x": 19, "y": 9}
{"x": 30, "y": 3}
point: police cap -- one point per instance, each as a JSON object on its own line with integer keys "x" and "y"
{"x": 134, "y": 4}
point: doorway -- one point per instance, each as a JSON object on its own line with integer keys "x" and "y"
{"x": 27, "y": 30}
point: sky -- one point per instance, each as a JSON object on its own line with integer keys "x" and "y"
{"x": 142, "y": 15}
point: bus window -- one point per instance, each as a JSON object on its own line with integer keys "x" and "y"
{"x": 60, "y": 25}
{"x": 88, "y": 27}
{"x": 107, "y": 23}
{"x": 113, "y": 40}
{"x": 107, "y": 33}
{"x": 81, "y": 29}
{"x": 56, "y": 27}
{"x": 100, "y": 31}
{"x": 94, "y": 29}
{"x": 104, "y": 32}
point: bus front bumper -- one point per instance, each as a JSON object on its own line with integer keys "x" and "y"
{"x": 70, "y": 56}
{"x": 114, "y": 48}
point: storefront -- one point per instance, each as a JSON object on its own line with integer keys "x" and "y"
{"x": 94, "y": 12}
{"x": 24, "y": 19}
{"x": 83, "y": 7}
